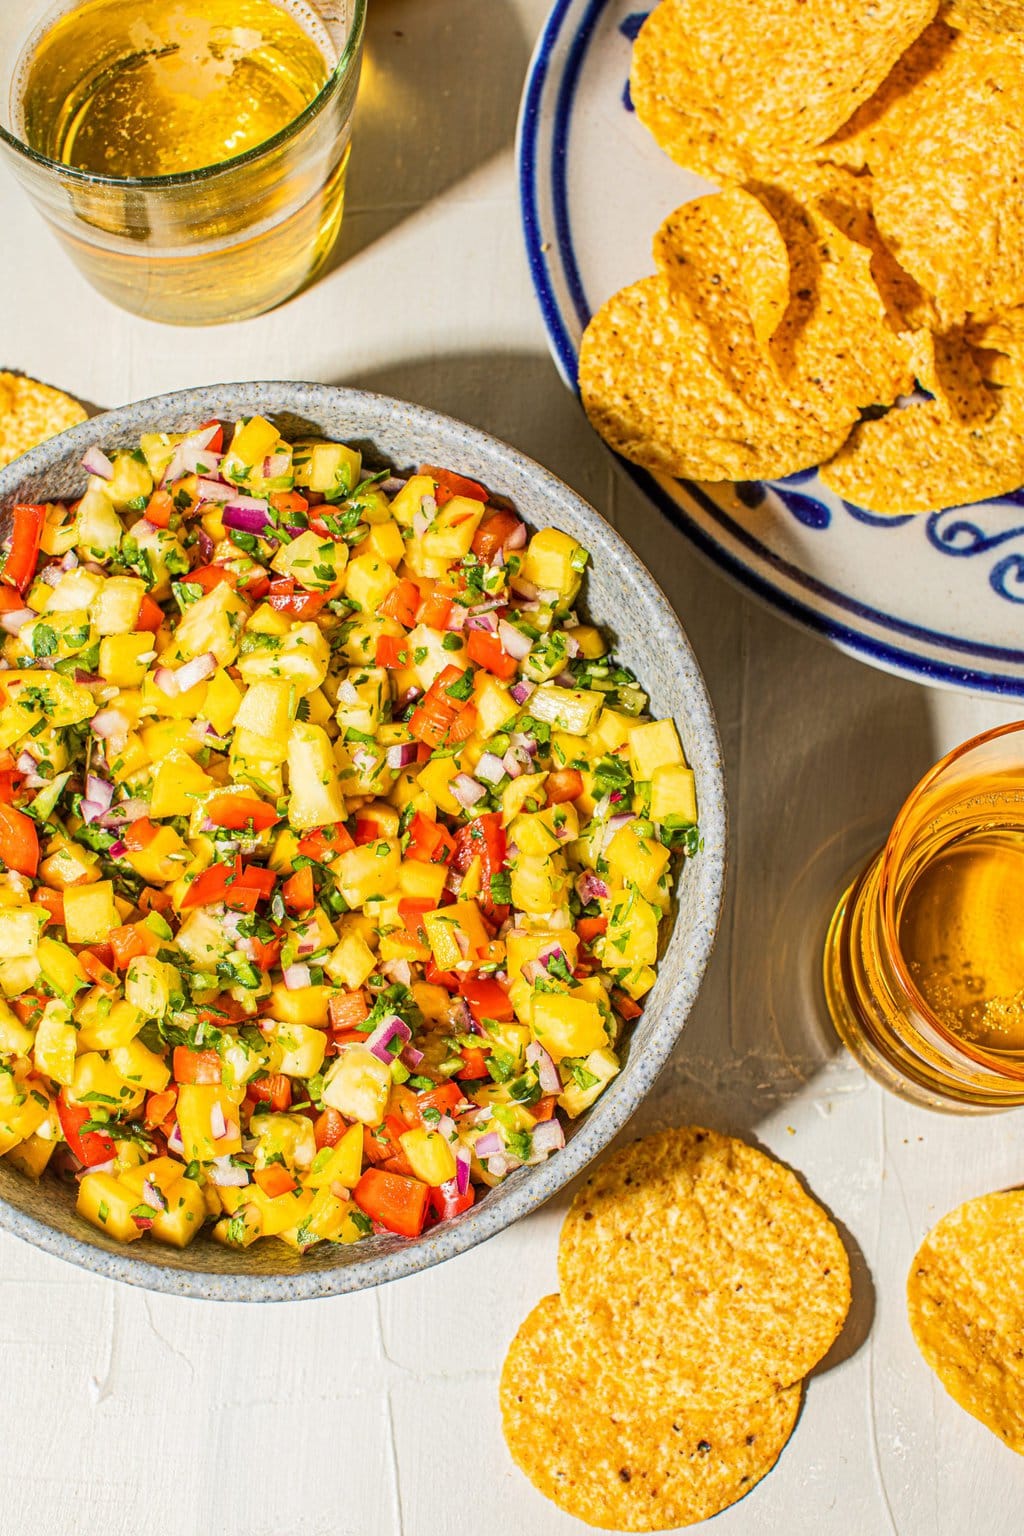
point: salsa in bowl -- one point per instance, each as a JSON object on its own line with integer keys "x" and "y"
{"x": 339, "y": 840}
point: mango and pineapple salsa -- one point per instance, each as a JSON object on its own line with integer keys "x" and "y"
{"x": 334, "y": 849}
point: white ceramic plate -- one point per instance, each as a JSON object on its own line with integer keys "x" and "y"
{"x": 938, "y": 598}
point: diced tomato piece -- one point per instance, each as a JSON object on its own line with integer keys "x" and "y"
{"x": 298, "y": 892}
{"x": 264, "y": 953}
{"x": 237, "y": 812}
{"x": 160, "y": 1106}
{"x": 590, "y": 928}
{"x": 446, "y": 1201}
{"x": 151, "y": 616}
{"x": 329, "y": 1128}
{"x": 474, "y": 1064}
{"x": 487, "y": 999}
{"x": 96, "y": 962}
{"x": 160, "y": 509}
{"x": 563, "y": 784}
{"x": 624, "y": 1005}
{"x": 130, "y": 940}
{"x": 196, "y": 1066}
{"x": 27, "y": 520}
{"x": 486, "y": 650}
{"x": 402, "y": 603}
{"x": 347, "y": 1010}
{"x": 395, "y": 1202}
{"x": 90, "y": 1147}
{"x": 494, "y": 533}
{"x": 274, "y": 1088}
{"x": 275, "y": 1180}
{"x": 19, "y": 841}
{"x": 210, "y": 576}
{"x": 450, "y": 484}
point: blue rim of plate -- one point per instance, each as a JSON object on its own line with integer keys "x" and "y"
{"x": 890, "y": 657}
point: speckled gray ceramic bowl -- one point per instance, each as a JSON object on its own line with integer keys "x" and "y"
{"x": 621, "y": 596}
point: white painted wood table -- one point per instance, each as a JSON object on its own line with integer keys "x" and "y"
{"x": 127, "y": 1414}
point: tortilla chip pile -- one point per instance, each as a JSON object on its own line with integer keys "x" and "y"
{"x": 966, "y": 1309}
{"x": 30, "y": 413}
{"x": 869, "y": 238}
{"x": 700, "y": 1284}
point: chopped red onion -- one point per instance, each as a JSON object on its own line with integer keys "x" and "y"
{"x": 392, "y": 485}
{"x": 204, "y": 544}
{"x": 425, "y": 516}
{"x": 363, "y": 760}
{"x": 195, "y": 671}
{"x": 190, "y": 457}
{"x": 51, "y": 573}
{"x": 69, "y": 561}
{"x": 118, "y": 850}
{"x": 513, "y": 641}
{"x": 17, "y": 619}
{"x": 26, "y": 763}
{"x": 467, "y": 790}
{"x": 166, "y": 679}
{"x": 490, "y": 1145}
{"x": 572, "y": 646}
{"x": 483, "y": 621}
{"x": 547, "y": 1137}
{"x": 174, "y": 1141}
{"x": 411, "y": 1057}
{"x": 296, "y": 977}
{"x": 215, "y": 490}
{"x": 590, "y": 887}
{"x": 97, "y": 463}
{"x": 250, "y": 514}
{"x": 565, "y": 680}
{"x": 515, "y": 761}
{"x": 109, "y": 722}
{"x": 125, "y": 810}
{"x": 532, "y": 970}
{"x": 521, "y": 741}
{"x": 521, "y": 690}
{"x": 99, "y": 790}
{"x": 154, "y": 1195}
{"x": 502, "y": 1164}
{"x": 347, "y": 692}
{"x": 446, "y": 1127}
{"x": 389, "y": 1029}
{"x": 526, "y": 588}
{"x": 218, "y": 1124}
{"x": 517, "y": 538}
{"x": 401, "y": 754}
{"x": 547, "y": 1072}
{"x": 462, "y": 1167}
{"x": 226, "y": 1174}
{"x": 399, "y": 971}
{"x": 490, "y": 768}
{"x": 107, "y": 1167}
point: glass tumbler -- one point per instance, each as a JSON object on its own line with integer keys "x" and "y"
{"x": 223, "y": 242}
{"x": 924, "y": 960}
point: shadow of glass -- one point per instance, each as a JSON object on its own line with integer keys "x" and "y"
{"x": 431, "y": 107}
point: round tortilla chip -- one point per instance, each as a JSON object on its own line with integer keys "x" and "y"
{"x": 985, "y": 15}
{"x": 652, "y": 388}
{"x": 949, "y": 197}
{"x": 628, "y": 1471}
{"x": 30, "y": 413}
{"x": 880, "y": 123}
{"x": 725, "y": 253}
{"x": 699, "y": 1270}
{"x": 966, "y": 1310}
{"x": 813, "y": 64}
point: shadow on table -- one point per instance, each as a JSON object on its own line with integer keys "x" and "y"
{"x": 431, "y": 109}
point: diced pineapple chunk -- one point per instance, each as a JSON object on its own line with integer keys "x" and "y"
{"x": 554, "y": 561}
{"x": 213, "y": 623}
{"x": 452, "y": 530}
{"x": 368, "y": 580}
{"x": 316, "y": 797}
{"x": 654, "y": 745}
{"x": 307, "y": 1005}
{"x": 184, "y": 1216}
{"x": 177, "y": 784}
{"x": 358, "y": 1085}
{"x": 430, "y": 1156}
{"x": 340, "y": 1164}
{"x": 302, "y": 1048}
{"x": 314, "y": 562}
{"x": 602, "y": 1065}
{"x": 456, "y": 933}
{"x": 367, "y": 871}
{"x": 639, "y": 859}
{"x": 203, "y": 1111}
{"x": 115, "y": 610}
{"x": 301, "y": 656}
{"x": 673, "y": 794}
{"x": 120, "y": 659}
{"x": 140, "y": 1067}
{"x": 567, "y": 1026}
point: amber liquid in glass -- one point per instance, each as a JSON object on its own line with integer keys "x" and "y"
{"x": 131, "y": 90}
{"x": 961, "y": 924}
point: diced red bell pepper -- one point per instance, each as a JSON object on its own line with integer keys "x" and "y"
{"x": 402, "y": 603}
{"x": 239, "y": 887}
{"x": 324, "y": 843}
{"x": 474, "y": 1064}
{"x": 210, "y": 576}
{"x": 444, "y": 1098}
{"x": 434, "y": 609}
{"x": 96, "y": 962}
{"x": 237, "y": 812}
{"x": 347, "y": 1010}
{"x": 151, "y": 615}
{"x": 90, "y": 1147}
{"x": 487, "y": 999}
{"x": 446, "y": 1201}
{"x": 438, "y": 978}
{"x": 275, "y": 1180}
{"x": 450, "y": 484}
{"x": 486, "y": 650}
{"x": 28, "y": 520}
{"x": 216, "y": 443}
{"x": 463, "y": 726}
{"x": 286, "y": 597}
{"x": 139, "y": 834}
{"x": 130, "y": 940}
{"x": 160, "y": 1107}
{"x": 298, "y": 891}
{"x": 53, "y": 901}
{"x": 395, "y": 1202}
{"x": 289, "y": 501}
{"x": 392, "y": 652}
{"x": 624, "y": 1005}
{"x": 264, "y": 953}
{"x": 429, "y": 841}
{"x": 160, "y": 509}
{"x": 19, "y": 841}
{"x": 411, "y": 910}
{"x": 590, "y": 928}
{"x": 191, "y": 1066}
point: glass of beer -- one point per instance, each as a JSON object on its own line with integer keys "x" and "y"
{"x": 191, "y": 154}
{"x": 924, "y": 962}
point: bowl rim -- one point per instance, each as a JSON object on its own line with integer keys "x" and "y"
{"x": 528, "y": 1188}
